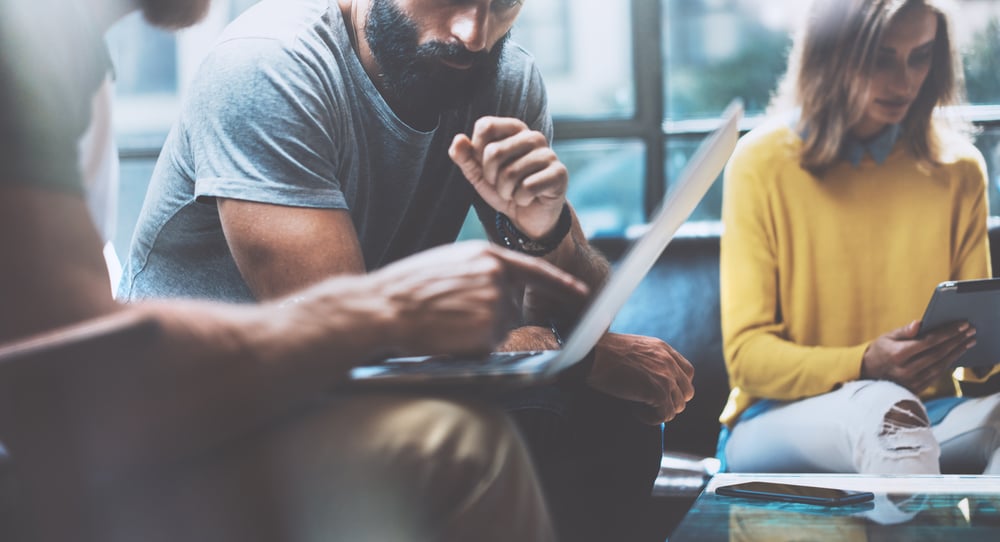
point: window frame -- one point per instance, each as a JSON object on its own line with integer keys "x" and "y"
{"x": 647, "y": 123}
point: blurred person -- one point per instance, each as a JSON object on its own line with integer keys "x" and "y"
{"x": 224, "y": 427}
{"x": 323, "y": 138}
{"x": 842, "y": 214}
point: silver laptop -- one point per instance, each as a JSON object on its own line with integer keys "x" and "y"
{"x": 515, "y": 369}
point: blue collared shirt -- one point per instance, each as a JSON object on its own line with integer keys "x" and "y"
{"x": 879, "y": 147}
{"x": 854, "y": 151}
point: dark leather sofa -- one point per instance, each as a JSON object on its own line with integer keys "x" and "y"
{"x": 678, "y": 302}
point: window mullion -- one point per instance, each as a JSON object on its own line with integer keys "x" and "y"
{"x": 647, "y": 40}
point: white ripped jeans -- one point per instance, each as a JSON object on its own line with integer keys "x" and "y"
{"x": 860, "y": 428}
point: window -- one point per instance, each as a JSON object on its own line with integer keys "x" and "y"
{"x": 586, "y": 59}
{"x": 694, "y": 56}
{"x": 633, "y": 86}
{"x": 717, "y": 49}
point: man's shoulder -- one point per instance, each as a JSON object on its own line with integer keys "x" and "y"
{"x": 519, "y": 90}
{"x": 282, "y": 20}
{"x": 516, "y": 58}
{"x": 301, "y": 31}
{"x": 517, "y": 70}
{"x": 294, "y": 46}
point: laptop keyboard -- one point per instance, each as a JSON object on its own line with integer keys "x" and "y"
{"x": 494, "y": 359}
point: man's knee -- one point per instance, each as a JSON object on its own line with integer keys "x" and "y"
{"x": 456, "y": 434}
{"x": 448, "y": 450}
{"x": 408, "y": 443}
{"x": 430, "y": 462}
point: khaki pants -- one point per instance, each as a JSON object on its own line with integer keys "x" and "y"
{"x": 356, "y": 467}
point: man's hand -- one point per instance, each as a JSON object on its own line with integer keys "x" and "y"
{"x": 460, "y": 298}
{"x": 527, "y": 338}
{"x": 515, "y": 171}
{"x": 915, "y": 363}
{"x": 645, "y": 370}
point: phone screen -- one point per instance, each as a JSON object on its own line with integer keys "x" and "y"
{"x": 825, "y": 496}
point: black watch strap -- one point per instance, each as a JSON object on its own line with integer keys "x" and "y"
{"x": 514, "y": 239}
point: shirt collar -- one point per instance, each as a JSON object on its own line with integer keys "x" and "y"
{"x": 854, "y": 150}
{"x": 878, "y": 147}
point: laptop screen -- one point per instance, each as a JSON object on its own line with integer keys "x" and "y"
{"x": 692, "y": 185}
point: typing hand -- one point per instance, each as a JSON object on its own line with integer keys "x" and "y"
{"x": 645, "y": 370}
{"x": 515, "y": 171}
{"x": 915, "y": 363}
{"x": 459, "y": 298}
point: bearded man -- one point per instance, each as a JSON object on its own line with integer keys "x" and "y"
{"x": 322, "y": 138}
{"x": 204, "y": 421}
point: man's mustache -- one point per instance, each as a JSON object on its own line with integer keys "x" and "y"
{"x": 452, "y": 52}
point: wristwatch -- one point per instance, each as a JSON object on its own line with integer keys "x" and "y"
{"x": 515, "y": 239}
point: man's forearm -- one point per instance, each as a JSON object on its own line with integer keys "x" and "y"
{"x": 211, "y": 372}
{"x": 214, "y": 371}
{"x": 576, "y": 256}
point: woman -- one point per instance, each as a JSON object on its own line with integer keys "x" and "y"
{"x": 841, "y": 216}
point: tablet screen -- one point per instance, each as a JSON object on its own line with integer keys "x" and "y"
{"x": 975, "y": 301}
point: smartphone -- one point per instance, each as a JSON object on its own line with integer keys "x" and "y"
{"x": 823, "y": 496}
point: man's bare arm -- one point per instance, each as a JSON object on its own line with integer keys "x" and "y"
{"x": 515, "y": 172}
{"x": 575, "y": 255}
{"x": 225, "y": 366}
{"x": 216, "y": 370}
{"x": 53, "y": 272}
{"x": 279, "y": 249}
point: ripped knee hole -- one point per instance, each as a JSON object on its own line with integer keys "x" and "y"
{"x": 904, "y": 415}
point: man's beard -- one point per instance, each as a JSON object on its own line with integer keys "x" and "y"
{"x": 174, "y": 13}
{"x": 412, "y": 75}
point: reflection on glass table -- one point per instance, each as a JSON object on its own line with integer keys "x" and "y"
{"x": 918, "y": 508}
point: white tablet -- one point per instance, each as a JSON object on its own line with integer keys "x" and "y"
{"x": 975, "y": 301}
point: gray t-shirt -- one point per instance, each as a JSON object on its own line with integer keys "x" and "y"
{"x": 282, "y": 112}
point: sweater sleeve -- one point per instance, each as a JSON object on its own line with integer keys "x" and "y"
{"x": 761, "y": 361}
{"x": 972, "y": 257}
{"x": 972, "y": 254}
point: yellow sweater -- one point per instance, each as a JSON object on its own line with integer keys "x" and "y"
{"x": 813, "y": 270}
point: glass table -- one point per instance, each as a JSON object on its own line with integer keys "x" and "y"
{"x": 908, "y": 508}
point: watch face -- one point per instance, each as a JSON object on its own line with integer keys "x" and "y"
{"x": 533, "y": 246}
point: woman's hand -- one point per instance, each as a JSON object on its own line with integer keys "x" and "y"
{"x": 912, "y": 362}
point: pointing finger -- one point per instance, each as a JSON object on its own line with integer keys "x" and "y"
{"x": 538, "y": 272}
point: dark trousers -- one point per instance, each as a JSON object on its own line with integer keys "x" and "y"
{"x": 596, "y": 461}
{"x": 12, "y": 522}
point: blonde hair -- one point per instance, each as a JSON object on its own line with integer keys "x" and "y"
{"x": 831, "y": 63}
